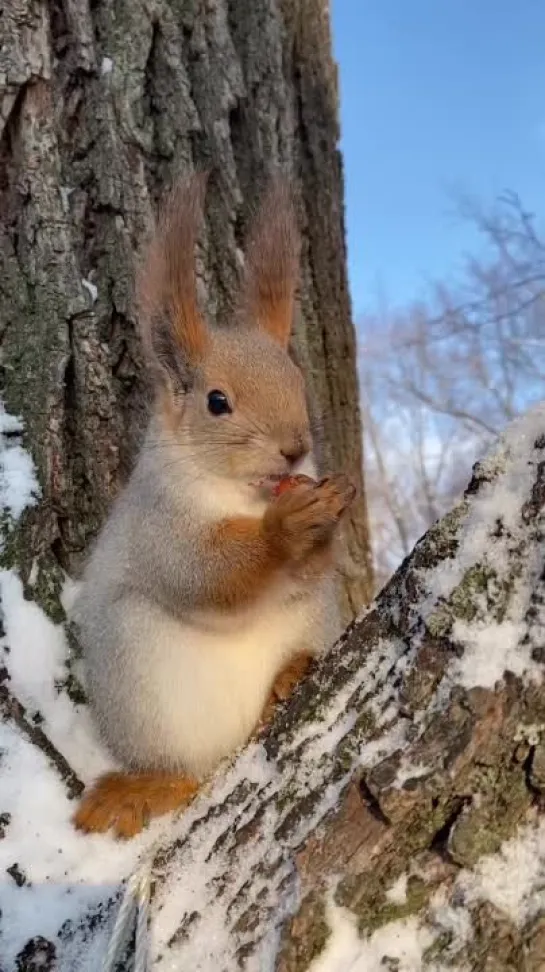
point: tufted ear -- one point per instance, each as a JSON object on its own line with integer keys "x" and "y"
{"x": 272, "y": 264}
{"x": 174, "y": 334}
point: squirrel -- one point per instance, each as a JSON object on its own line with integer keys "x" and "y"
{"x": 206, "y": 594}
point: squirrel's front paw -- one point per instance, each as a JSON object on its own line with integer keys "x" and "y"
{"x": 304, "y": 518}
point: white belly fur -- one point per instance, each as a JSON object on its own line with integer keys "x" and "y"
{"x": 200, "y": 691}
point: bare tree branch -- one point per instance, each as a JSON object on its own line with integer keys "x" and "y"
{"x": 450, "y": 373}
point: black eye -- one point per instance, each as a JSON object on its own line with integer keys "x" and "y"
{"x": 218, "y": 403}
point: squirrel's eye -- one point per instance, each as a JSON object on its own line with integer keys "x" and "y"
{"x": 218, "y": 403}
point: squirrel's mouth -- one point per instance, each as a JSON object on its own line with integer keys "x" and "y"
{"x": 277, "y": 484}
{"x": 269, "y": 480}
{"x": 266, "y": 484}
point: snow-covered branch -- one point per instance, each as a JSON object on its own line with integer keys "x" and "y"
{"x": 391, "y": 811}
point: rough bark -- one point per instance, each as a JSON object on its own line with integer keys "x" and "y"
{"x": 101, "y": 105}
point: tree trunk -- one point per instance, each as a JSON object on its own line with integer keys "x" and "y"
{"x": 101, "y": 105}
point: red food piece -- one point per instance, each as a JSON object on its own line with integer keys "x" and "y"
{"x": 289, "y": 482}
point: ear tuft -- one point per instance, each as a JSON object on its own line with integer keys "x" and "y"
{"x": 167, "y": 289}
{"x": 272, "y": 264}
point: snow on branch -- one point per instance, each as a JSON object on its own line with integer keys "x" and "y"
{"x": 369, "y": 822}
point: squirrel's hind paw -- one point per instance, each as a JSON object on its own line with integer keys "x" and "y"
{"x": 127, "y": 802}
{"x": 285, "y": 683}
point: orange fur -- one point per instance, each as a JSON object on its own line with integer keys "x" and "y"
{"x": 297, "y": 529}
{"x": 301, "y": 523}
{"x": 250, "y": 561}
{"x": 272, "y": 265}
{"x": 285, "y": 683}
{"x": 321, "y": 561}
{"x": 127, "y": 802}
{"x": 167, "y": 284}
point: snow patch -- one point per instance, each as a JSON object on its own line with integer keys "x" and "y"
{"x": 69, "y": 593}
{"x": 91, "y": 289}
{"x": 397, "y": 893}
{"x": 513, "y": 880}
{"x": 66, "y": 192}
{"x": 399, "y": 944}
{"x": 65, "y": 872}
{"x": 409, "y": 771}
{"x": 490, "y": 651}
{"x": 493, "y": 641}
{"x": 18, "y": 483}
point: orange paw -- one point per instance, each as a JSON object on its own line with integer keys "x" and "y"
{"x": 126, "y": 803}
{"x": 284, "y": 685}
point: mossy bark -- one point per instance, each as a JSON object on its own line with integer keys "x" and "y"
{"x": 101, "y": 105}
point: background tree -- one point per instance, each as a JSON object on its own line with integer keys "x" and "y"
{"x": 442, "y": 379}
{"x": 101, "y": 106}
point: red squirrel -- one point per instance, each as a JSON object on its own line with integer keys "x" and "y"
{"x": 211, "y": 584}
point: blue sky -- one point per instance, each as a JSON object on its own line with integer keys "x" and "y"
{"x": 437, "y": 96}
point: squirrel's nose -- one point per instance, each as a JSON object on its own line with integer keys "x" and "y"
{"x": 294, "y": 451}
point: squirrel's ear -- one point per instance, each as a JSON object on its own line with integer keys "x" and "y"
{"x": 272, "y": 264}
{"x": 174, "y": 333}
